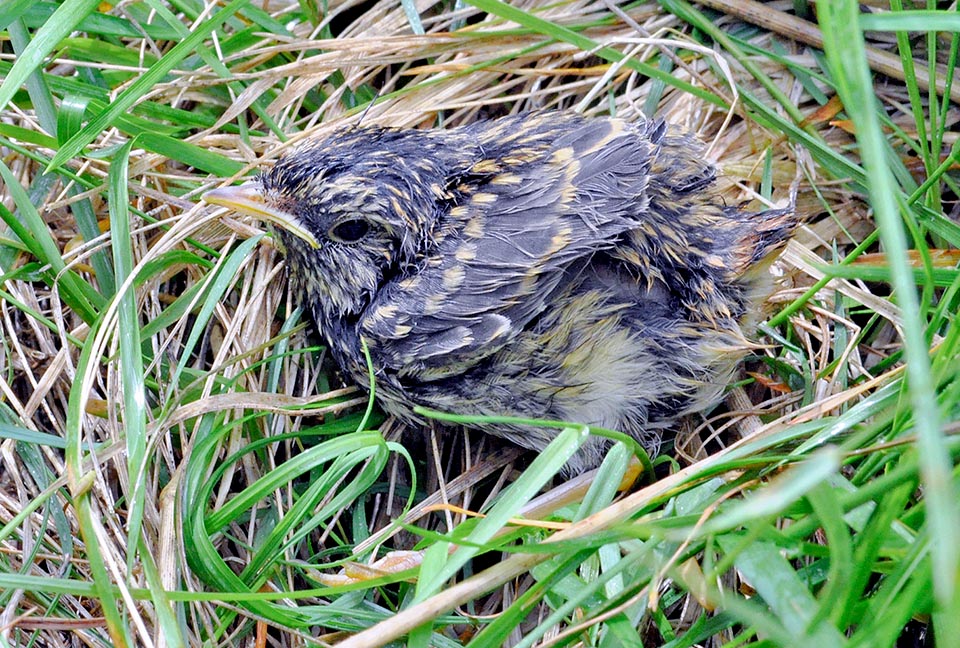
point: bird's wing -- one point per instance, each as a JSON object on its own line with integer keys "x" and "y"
{"x": 514, "y": 241}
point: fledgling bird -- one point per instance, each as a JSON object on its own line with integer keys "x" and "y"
{"x": 543, "y": 265}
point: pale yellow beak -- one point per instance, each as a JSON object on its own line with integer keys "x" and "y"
{"x": 247, "y": 199}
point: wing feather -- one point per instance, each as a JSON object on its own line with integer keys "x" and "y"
{"x": 513, "y": 243}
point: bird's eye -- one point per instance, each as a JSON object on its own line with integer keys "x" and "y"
{"x": 349, "y": 231}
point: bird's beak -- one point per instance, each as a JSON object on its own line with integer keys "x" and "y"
{"x": 248, "y": 199}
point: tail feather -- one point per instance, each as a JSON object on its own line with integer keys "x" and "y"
{"x": 764, "y": 235}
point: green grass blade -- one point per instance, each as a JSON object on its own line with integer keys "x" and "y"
{"x": 62, "y": 122}
{"x": 142, "y": 85}
{"x": 844, "y": 47}
{"x": 58, "y": 27}
{"x": 33, "y": 232}
{"x": 438, "y": 566}
{"x": 563, "y": 34}
{"x": 11, "y": 10}
{"x": 80, "y": 480}
{"x": 134, "y": 414}
{"x": 917, "y": 20}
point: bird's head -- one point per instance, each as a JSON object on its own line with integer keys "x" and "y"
{"x": 353, "y": 212}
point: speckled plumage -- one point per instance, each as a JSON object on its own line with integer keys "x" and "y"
{"x": 542, "y": 265}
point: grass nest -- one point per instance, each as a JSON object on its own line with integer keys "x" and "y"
{"x": 180, "y": 464}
